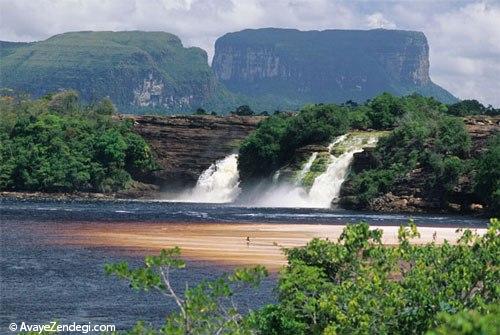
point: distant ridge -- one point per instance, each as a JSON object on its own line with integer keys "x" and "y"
{"x": 292, "y": 67}
{"x": 149, "y": 72}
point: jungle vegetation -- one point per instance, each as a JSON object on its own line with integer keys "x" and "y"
{"x": 56, "y": 144}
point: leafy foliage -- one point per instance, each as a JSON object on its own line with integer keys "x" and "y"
{"x": 207, "y": 308}
{"x": 425, "y": 139}
{"x": 354, "y": 285}
{"x": 358, "y": 286}
{"x": 469, "y": 322}
{"x": 243, "y": 110}
{"x": 276, "y": 139}
{"x": 54, "y": 144}
{"x": 488, "y": 174}
{"x": 471, "y": 107}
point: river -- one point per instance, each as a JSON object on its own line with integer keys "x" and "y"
{"x": 53, "y": 253}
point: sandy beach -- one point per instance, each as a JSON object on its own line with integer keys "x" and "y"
{"x": 222, "y": 243}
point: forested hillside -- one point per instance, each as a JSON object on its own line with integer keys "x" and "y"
{"x": 56, "y": 144}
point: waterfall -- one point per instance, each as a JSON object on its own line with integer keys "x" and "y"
{"x": 217, "y": 184}
{"x": 306, "y": 168}
{"x": 326, "y": 186}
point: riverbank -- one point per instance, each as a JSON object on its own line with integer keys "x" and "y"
{"x": 140, "y": 191}
{"x": 223, "y": 243}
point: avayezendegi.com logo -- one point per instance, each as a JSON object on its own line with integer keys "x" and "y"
{"x": 60, "y": 328}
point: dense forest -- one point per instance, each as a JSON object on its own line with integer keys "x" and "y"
{"x": 55, "y": 144}
{"x": 351, "y": 286}
{"x": 425, "y": 134}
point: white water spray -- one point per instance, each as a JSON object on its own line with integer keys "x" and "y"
{"x": 326, "y": 187}
{"x": 217, "y": 184}
{"x": 306, "y": 168}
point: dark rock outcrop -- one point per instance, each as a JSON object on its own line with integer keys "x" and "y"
{"x": 293, "y": 67}
{"x": 187, "y": 145}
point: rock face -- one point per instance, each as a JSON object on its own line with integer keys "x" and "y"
{"x": 411, "y": 194}
{"x": 137, "y": 70}
{"x": 293, "y": 67}
{"x": 185, "y": 146}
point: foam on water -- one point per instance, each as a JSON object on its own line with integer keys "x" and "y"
{"x": 326, "y": 186}
{"x": 217, "y": 184}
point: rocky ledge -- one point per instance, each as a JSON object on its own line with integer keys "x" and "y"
{"x": 185, "y": 146}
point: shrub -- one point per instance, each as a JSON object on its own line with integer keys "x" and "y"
{"x": 488, "y": 175}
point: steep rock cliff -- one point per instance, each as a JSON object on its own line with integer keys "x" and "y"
{"x": 288, "y": 67}
{"x": 137, "y": 70}
{"x": 187, "y": 145}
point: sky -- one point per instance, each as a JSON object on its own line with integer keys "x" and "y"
{"x": 464, "y": 36}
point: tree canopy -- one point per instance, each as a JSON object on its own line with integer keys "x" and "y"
{"x": 54, "y": 144}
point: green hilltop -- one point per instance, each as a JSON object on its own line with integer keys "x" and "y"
{"x": 139, "y": 71}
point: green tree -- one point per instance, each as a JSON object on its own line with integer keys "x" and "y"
{"x": 469, "y": 322}
{"x": 488, "y": 175}
{"x": 55, "y": 145}
{"x": 207, "y": 308}
{"x": 356, "y": 285}
{"x": 65, "y": 102}
{"x": 243, "y": 110}
{"x": 105, "y": 107}
{"x": 384, "y": 111}
{"x": 200, "y": 111}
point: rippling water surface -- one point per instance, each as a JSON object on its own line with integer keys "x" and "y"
{"x": 43, "y": 281}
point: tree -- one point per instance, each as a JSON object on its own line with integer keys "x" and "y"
{"x": 65, "y": 102}
{"x": 105, "y": 107}
{"x": 384, "y": 110}
{"x": 54, "y": 145}
{"x": 469, "y": 322}
{"x": 200, "y": 111}
{"x": 488, "y": 175}
{"x": 243, "y": 110}
{"x": 207, "y": 308}
{"x": 356, "y": 285}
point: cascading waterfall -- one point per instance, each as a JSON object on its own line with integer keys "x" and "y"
{"x": 306, "y": 168}
{"x": 326, "y": 187}
{"x": 217, "y": 184}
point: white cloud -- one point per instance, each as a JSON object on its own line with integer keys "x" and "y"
{"x": 377, "y": 20}
{"x": 464, "y": 36}
{"x": 465, "y": 51}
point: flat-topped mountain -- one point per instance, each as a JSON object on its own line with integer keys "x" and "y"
{"x": 135, "y": 69}
{"x": 292, "y": 67}
{"x": 267, "y": 69}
